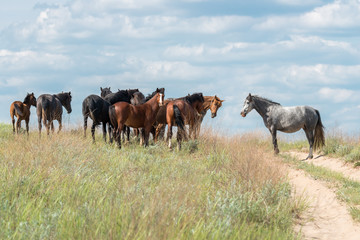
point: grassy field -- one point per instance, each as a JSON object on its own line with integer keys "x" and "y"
{"x": 65, "y": 187}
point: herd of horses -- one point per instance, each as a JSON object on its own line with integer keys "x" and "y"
{"x": 122, "y": 110}
{"x": 125, "y": 109}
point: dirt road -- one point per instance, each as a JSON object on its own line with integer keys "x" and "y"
{"x": 327, "y": 217}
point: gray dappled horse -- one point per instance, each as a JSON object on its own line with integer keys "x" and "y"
{"x": 288, "y": 120}
{"x": 49, "y": 108}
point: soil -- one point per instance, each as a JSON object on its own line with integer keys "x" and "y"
{"x": 326, "y": 216}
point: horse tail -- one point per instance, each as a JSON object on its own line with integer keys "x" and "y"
{"x": 178, "y": 118}
{"x": 18, "y": 110}
{"x": 319, "y": 139}
{"x": 112, "y": 116}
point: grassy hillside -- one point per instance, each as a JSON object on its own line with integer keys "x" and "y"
{"x": 65, "y": 187}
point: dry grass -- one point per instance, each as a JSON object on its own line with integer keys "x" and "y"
{"x": 66, "y": 187}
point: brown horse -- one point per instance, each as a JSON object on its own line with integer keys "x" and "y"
{"x": 210, "y": 102}
{"x": 140, "y": 116}
{"x": 21, "y": 110}
{"x": 181, "y": 112}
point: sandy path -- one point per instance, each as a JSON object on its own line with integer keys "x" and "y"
{"x": 326, "y": 218}
{"x": 333, "y": 164}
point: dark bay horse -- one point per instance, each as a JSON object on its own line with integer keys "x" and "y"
{"x": 49, "y": 108}
{"x": 288, "y": 120}
{"x": 97, "y": 109}
{"x": 183, "y": 111}
{"x": 140, "y": 116}
{"x": 21, "y": 110}
{"x": 120, "y": 96}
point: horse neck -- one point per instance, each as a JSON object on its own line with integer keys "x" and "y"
{"x": 26, "y": 105}
{"x": 61, "y": 97}
{"x": 153, "y": 103}
{"x": 207, "y": 102}
{"x": 262, "y": 106}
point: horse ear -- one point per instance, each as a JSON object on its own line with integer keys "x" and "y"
{"x": 100, "y": 88}
{"x": 250, "y": 97}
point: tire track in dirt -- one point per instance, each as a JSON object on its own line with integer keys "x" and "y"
{"x": 326, "y": 217}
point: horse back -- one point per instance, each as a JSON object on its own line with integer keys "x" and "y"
{"x": 292, "y": 119}
{"x": 48, "y": 106}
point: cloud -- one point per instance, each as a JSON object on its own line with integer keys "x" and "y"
{"x": 28, "y": 60}
{"x": 338, "y": 95}
{"x": 343, "y": 14}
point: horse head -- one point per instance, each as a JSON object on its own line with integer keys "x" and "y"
{"x": 248, "y": 105}
{"x": 161, "y": 93}
{"x": 66, "y": 101}
{"x": 30, "y": 99}
{"x": 105, "y": 91}
{"x": 215, "y": 104}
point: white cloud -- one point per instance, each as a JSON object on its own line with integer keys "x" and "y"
{"x": 339, "y": 95}
{"x": 339, "y": 14}
{"x": 23, "y": 60}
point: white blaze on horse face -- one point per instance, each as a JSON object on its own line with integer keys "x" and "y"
{"x": 248, "y": 106}
{"x": 161, "y": 102}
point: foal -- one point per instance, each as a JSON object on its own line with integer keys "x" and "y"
{"x": 21, "y": 110}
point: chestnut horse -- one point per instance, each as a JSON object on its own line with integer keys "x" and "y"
{"x": 21, "y": 110}
{"x": 140, "y": 116}
{"x": 212, "y": 103}
{"x": 181, "y": 112}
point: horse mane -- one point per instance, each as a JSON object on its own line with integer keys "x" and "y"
{"x": 27, "y": 98}
{"x": 194, "y": 97}
{"x": 62, "y": 96}
{"x": 265, "y": 99}
{"x": 149, "y": 96}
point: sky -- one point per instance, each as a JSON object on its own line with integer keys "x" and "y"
{"x": 295, "y": 52}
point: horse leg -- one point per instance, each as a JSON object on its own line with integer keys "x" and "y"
{"x": 169, "y": 135}
{"x": 128, "y": 133}
{"x": 273, "y": 134}
{"x": 117, "y": 133}
{"x": 179, "y": 137}
{"x": 109, "y": 130}
{"x": 310, "y": 138}
{"x": 52, "y": 127}
{"x": 27, "y": 125}
{"x": 142, "y": 139}
{"x": 85, "y": 125}
{"x": 60, "y": 124}
{"x": 93, "y": 131}
{"x": 157, "y": 131}
{"x": 18, "y": 125}
{"x": 13, "y": 123}
{"x": 104, "y": 130}
{"x": 39, "y": 125}
{"x": 47, "y": 125}
{"x": 146, "y": 135}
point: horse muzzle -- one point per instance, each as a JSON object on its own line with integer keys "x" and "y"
{"x": 243, "y": 114}
{"x": 213, "y": 115}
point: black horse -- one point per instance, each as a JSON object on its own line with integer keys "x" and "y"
{"x": 97, "y": 109}
{"x": 49, "y": 108}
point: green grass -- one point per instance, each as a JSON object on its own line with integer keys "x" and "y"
{"x": 65, "y": 187}
{"x": 347, "y": 190}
